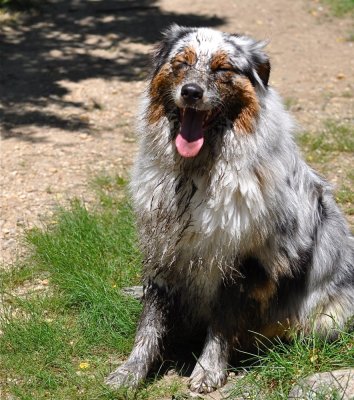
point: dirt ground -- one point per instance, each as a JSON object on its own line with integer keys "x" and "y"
{"x": 71, "y": 76}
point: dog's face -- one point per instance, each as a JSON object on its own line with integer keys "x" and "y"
{"x": 205, "y": 76}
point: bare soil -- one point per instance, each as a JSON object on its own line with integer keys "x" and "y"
{"x": 71, "y": 76}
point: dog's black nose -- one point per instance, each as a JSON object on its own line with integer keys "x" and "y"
{"x": 191, "y": 93}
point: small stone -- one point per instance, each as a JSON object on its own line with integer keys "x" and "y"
{"x": 194, "y": 395}
{"x": 171, "y": 372}
{"x": 129, "y": 139}
{"x": 136, "y": 292}
{"x": 325, "y": 384}
{"x": 84, "y": 118}
{"x": 20, "y": 222}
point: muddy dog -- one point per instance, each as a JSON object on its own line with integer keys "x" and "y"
{"x": 238, "y": 233}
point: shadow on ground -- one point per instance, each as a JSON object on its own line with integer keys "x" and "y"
{"x": 72, "y": 41}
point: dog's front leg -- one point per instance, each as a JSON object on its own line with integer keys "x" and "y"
{"x": 148, "y": 341}
{"x": 210, "y": 371}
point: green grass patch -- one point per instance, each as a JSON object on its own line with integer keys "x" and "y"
{"x": 58, "y": 342}
{"x": 322, "y": 146}
{"x": 290, "y": 103}
{"x": 345, "y": 196}
{"x": 341, "y": 7}
{"x": 280, "y": 366}
{"x": 14, "y": 277}
{"x": 330, "y": 151}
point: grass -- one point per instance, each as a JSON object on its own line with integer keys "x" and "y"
{"x": 280, "y": 366}
{"x": 325, "y": 145}
{"x": 65, "y": 322}
{"x": 290, "y": 103}
{"x": 83, "y": 316}
{"x": 341, "y": 7}
{"x": 330, "y": 151}
{"x": 345, "y": 197}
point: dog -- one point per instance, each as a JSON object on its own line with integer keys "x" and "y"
{"x": 238, "y": 233}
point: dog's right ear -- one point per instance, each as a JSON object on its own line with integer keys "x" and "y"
{"x": 170, "y": 37}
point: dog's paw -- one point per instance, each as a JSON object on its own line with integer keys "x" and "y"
{"x": 206, "y": 381}
{"x": 124, "y": 376}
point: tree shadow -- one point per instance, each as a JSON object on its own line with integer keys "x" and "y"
{"x": 72, "y": 41}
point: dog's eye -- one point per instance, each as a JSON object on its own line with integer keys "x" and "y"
{"x": 225, "y": 68}
{"x": 180, "y": 64}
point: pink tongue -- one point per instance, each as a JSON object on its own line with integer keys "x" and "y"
{"x": 190, "y": 140}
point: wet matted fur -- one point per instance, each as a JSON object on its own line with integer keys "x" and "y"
{"x": 238, "y": 233}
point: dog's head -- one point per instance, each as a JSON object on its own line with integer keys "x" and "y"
{"x": 206, "y": 76}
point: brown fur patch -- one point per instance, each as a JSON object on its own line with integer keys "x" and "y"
{"x": 155, "y": 112}
{"x": 220, "y": 60}
{"x": 159, "y": 85}
{"x": 245, "y": 120}
{"x": 169, "y": 76}
{"x": 181, "y": 64}
{"x": 237, "y": 93}
{"x": 187, "y": 56}
{"x": 276, "y": 329}
{"x": 263, "y": 293}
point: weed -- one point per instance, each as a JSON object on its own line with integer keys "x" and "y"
{"x": 333, "y": 139}
{"x": 110, "y": 189}
{"x": 345, "y": 196}
{"x": 341, "y": 7}
{"x": 329, "y": 149}
{"x": 347, "y": 93}
{"x": 277, "y": 367}
{"x": 290, "y": 103}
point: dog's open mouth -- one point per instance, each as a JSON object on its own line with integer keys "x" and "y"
{"x": 194, "y": 122}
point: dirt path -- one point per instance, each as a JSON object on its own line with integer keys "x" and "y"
{"x": 70, "y": 78}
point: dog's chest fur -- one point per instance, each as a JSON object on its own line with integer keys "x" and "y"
{"x": 196, "y": 219}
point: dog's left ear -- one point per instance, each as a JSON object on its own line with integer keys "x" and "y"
{"x": 260, "y": 62}
{"x": 170, "y": 37}
{"x": 261, "y": 65}
{"x": 256, "y": 60}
